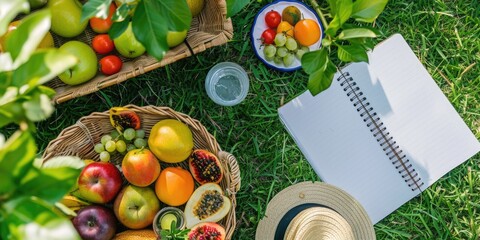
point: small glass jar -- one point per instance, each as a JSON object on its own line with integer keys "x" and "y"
{"x": 227, "y": 83}
{"x": 165, "y": 216}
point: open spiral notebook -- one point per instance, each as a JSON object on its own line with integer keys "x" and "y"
{"x": 383, "y": 131}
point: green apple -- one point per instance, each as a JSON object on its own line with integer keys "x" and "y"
{"x": 86, "y": 67}
{"x": 135, "y": 207}
{"x": 175, "y": 38}
{"x": 127, "y": 45}
{"x": 66, "y": 16}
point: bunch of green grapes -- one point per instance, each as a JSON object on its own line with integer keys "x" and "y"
{"x": 284, "y": 50}
{"x": 120, "y": 142}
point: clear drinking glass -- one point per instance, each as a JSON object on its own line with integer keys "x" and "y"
{"x": 227, "y": 83}
{"x": 168, "y": 212}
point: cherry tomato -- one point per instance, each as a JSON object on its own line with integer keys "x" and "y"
{"x": 100, "y": 25}
{"x": 273, "y": 18}
{"x": 268, "y": 36}
{"x": 102, "y": 44}
{"x": 110, "y": 64}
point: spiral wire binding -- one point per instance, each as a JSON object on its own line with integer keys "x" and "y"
{"x": 380, "y": 133}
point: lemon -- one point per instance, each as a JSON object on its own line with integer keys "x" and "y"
{"x": 166, "y": 221}
{"x": 171, "y": 141}
{"x": 196, "y": 6}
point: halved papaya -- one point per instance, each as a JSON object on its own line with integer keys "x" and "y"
{"x": 207, "y": 204}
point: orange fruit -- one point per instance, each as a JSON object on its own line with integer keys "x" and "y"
{"x": 285, "y": 27}
{"x": 174, "y": 186}
{"x": 307, "y": 32}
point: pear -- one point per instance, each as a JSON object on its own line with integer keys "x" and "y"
{"x": 66, "y": 17}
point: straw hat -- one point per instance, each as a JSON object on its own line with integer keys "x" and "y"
{"x": 314, "y": 210}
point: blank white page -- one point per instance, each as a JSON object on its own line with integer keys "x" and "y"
{"x": 417, "y": 113}
{"x": 340, "y": 147}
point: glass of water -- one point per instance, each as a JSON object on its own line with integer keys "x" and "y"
{"x": 227, "y": 83}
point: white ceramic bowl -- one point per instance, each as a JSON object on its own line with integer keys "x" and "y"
{"x": 259, "y": 26}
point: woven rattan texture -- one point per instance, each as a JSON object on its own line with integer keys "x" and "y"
{"x": 80, "y": 138}
{"x": 211, "y": 28}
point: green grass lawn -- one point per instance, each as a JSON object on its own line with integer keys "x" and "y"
{"x": 444, "y": 34}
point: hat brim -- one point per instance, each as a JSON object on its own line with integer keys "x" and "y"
{"x": 292, "y": 200}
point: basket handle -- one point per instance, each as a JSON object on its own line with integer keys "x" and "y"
{"x": 234, "y": 170}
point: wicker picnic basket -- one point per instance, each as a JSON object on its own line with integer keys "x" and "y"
{"x": 210, "y": 28}
{"x": 80, "y": 138}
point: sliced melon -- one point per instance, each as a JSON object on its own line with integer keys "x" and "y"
{"x": 207, "y": 204}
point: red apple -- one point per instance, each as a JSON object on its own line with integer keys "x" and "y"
{"x": 99, "y": 182}
{"x": 135, "y": 207}
{"x": 95, "y": 223}
{"x": 140, "y": 167}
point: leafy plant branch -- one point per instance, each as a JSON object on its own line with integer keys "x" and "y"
{"x": 151, "y": 20}
{"x": 28, "y": 189}
{"x": 344, "y": 35}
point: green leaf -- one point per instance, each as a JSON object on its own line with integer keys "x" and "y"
{"x": 333, "y": 6}
{"x": 352, "y": 53}
{"x": 11, "y": 112}
{"x": 368, "y": 10}
{"x": 6, "y": 62}
{"x": 5, "y": 81}
{"x": 16, "y": 156}
{"x": 321, "y": 79}
{"x": 333, "y": 27}
{"x": 24, "y": 40}
{"x": 64, "y": 161}
{"x": 9, "y": 10}
{"x": 49, "y": 184}
{"x": 356, "y": 33}
{"x": 8, "y": 185}
{"x": 31, "y": 218}
{"x": 371, "y": 28}
{"x": 67, "y": 211}
{"x": 123, "y": 12}
{"x": 151, "y": 27}
{"x": 43, "y": 66}
{"x": 341, "y": 15}
{"x": 38, "y": 107}
{"x": 365, "y": 43}
{"x": 46, "y": 90}
{"x": 152, "y": 34}
{"x": 235, "y": 6}
{"x": 118, "y": 28}
{"x": 10, "y": 95}
{"x": 312, "y": 61}
{"x": 326, "y": 42}
{"x": 95, "y": 8}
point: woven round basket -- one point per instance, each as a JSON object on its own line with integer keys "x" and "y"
{"x": 80, "y": 138}
{"x": 210, "y": 28}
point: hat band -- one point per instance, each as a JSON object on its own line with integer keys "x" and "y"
{"x": 288, "y": 217}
